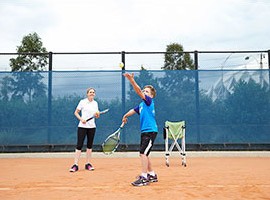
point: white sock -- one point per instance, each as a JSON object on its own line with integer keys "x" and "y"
{"x": 152, "y": 173}
{"x": 144, "y": 175}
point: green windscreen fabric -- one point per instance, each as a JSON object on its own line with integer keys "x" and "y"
{"x": 218, "y": 106}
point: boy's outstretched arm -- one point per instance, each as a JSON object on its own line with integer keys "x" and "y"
{"x": 128, "y": 114}
{"x": 135, "y": 86}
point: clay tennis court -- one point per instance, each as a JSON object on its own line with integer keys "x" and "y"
{"x": 209, "y": 177}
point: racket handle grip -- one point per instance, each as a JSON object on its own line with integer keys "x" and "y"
{"x": 122, "y": 125}
{"x": 89, "y": 119}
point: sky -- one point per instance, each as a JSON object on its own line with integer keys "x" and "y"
{"x": 135, "y": 25}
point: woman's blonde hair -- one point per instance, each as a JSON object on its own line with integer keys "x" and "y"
{"x": 88, "y": 89}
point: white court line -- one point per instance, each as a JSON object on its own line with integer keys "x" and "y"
{"x": 5, "y": 189}
{"x": 159, "y": 154}
{"x": 125, "y": 186}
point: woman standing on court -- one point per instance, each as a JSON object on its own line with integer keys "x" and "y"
{"x": 86, "y": 108}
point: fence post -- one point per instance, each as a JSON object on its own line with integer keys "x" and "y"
{"x": 269, "y": 69}
{"x": 197, "y": 98}
{"x": 269, "y": 59}
{"x": 123, "y": 59}
{"x": 196, "y": 59}
{"x": 50, "y": 99}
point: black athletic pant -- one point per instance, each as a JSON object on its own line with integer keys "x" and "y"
{"x": 82, "y": 132}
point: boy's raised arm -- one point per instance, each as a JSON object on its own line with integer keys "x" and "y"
{"x": 135, "y": 86}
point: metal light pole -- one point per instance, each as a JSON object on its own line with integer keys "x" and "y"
{"x": 260, "y": 64}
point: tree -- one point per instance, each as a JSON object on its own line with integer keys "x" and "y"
{"x": 6, "y": 83}
{"x": 26, "y": 80}
{"x": 178, "y": 84}
{"x": 257, "y": 108}
{"x": 247, "y": 112}
{"x": 28, "y": 86}
{"x": 32, "y": 55}
{"x": 175, "y": 58}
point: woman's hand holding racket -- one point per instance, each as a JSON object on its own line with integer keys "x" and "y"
{"x": 96, "y": 115}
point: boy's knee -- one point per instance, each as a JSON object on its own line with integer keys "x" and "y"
{"x": 143, "y": 155}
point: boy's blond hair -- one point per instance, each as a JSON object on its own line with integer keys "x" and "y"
{"x": 152, "y": 89}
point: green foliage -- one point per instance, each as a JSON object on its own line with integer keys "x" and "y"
{"x": 36, "y": 58}
{"x": 178, "y": 86}
{"x": 26, "y": 86}
{"x": 178, "y": 82}
{"x": 256, "y": 110}
{"x": 23, "y": 86}
{"x": 175, "y": 58}
{"x": 7, "y": 86}
{"x": 211, "y": 112}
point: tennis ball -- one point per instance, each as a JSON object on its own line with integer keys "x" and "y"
{"x": 121, "y": 65}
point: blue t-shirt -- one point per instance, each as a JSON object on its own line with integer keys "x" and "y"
{"x": 146, "y": 110}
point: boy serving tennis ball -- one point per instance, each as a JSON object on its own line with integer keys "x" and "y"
{"x": 148, "y": 126}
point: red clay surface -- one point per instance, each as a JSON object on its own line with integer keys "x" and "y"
{"x": 203, "y": 178}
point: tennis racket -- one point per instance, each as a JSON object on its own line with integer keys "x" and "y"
{"x": 111, "y": 143}
{"x": 101, "y": 112}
